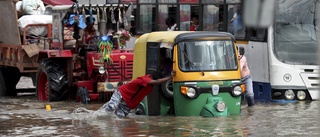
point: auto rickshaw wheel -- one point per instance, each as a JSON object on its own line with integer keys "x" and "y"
{"x": 167, "y": 89}
{"x": 51, "y": 81}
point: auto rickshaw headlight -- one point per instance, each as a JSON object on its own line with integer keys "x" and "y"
{"x": 102, "y": 70}
{"x": 220, "y": 106}
{"x": 237, "y": 90}
{"x": 188, "y": 91}
{"x": 191, "y": 92}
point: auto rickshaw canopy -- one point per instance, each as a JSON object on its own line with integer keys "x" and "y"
{"x": 168, "y": 39}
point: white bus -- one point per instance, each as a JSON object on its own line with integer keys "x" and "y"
{"x": 284, "y": 63}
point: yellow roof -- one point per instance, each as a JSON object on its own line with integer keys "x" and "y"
{"x": 164, "y": 36}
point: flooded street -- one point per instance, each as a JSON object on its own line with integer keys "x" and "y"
{"x": 25, "y": 116}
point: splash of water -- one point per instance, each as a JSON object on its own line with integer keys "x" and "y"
{"x": 81, "y": 110}
{"x": 84, "y": 110}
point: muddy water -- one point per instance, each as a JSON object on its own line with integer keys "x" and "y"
{"x": 24, "y": 116}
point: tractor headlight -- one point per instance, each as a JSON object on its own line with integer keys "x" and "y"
{"x": 289, "y": 94}
{"x": 237, "y": 90}
{"x": 220, "y": 106}
{"x": 301, "y": 95}
{"x": 102, "y": 70}
{"x": 105, "y": 38}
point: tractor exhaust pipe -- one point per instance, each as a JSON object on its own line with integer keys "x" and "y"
{"x": 102, "y": 24}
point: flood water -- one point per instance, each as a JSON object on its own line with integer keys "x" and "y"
{"x": 24, "y": 116}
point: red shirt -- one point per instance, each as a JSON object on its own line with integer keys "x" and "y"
{"x": 88, "y": 35}
{"x": 133, "y": 93}
{"x": 192, "y": 28}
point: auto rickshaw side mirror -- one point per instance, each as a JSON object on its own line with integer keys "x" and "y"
{"x": 241, "y": 50}
{"x": 258, "y": 13}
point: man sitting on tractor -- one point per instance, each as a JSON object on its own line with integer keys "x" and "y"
{"x": 89, "y": 32}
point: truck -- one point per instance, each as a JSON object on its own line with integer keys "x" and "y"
{"x": 60, "y": 70}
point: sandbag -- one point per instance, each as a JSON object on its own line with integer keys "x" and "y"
{"x": 19, "y": 6}
{"x": 34, "y": 19}
{"x": 33, "y": 7}
{"x": 19, "y": 9}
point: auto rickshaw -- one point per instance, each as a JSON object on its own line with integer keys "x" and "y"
{"x": 206, "y": 68}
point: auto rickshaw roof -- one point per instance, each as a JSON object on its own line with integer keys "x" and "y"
{"x": 178, "y": 36}
{"x": 203, "y": 34}
{"x": 164, "y": 36}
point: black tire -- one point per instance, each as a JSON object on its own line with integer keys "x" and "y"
{"x": 11, "y": 77}
{"x": 167, "y": 89}
{"x": 83, "y": 93}
{"x": 140, "y": 110}
{"x": 51, "y": 73}
{"x": 2, "y": 85}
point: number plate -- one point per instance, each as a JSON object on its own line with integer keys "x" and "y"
{"x": 215, "y": 90}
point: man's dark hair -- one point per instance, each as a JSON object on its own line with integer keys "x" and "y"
{"x": 88, "y": 19}
{"x": 170, "y": 21}
{"x": 193, "y": 15}
{"x": 156, "y": 75}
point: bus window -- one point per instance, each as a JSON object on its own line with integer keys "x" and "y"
{"x": 235, "y": 25}
{"x": 257, "y": 34}
{"x": 185, "y": 17}
{"x": 147, "y": 17}
{"x": 187, "y": 12}
{"x": 211, "y": 17}
{"x": 194, "y": 26}
{"x": 165, "y": 11}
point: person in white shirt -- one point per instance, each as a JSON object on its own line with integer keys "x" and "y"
{"x": 246, "y": 78}
{"x": 171, "y": 23}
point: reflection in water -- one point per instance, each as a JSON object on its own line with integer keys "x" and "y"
{"x": 26, "y": 116}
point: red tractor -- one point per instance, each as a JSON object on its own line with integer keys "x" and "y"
{"x": 84, "y": 69}
{"x": 61, "y": 64}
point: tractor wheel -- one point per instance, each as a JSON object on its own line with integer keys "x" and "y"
{"x": 51, "y": 81}
{"x": 2, "y": 85}
{"x": 10, "y": 78}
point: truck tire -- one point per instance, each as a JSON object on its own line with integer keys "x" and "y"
{"x": 167, "y": 89}
{"x": 51, "y": 81}
{"x": 9, "y": 78}
{"x": 2, "y": 85}
{"x": 12, "y": 77}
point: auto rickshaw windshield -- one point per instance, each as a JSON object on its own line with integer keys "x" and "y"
{"x": 207, "y": 55}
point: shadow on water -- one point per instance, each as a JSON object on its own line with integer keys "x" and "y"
{"x": 25, "y": 116}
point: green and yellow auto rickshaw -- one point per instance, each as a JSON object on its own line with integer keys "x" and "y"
{"x": 206, "y": 79}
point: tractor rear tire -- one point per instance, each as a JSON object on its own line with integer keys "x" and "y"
{"x": 51, "y": 81}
